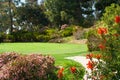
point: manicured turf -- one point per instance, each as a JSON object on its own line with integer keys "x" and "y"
{"x": 58, "y": 50}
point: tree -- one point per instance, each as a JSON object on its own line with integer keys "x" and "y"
{"x": 7, "y": 14}
{"x": 100, "y": 5}
{"x": 30, "y": 16}
{"x": 31, "y": 2}
{"x": 64, "y": 11}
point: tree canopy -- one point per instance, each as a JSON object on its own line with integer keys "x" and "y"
{"x": 64, "y": 11}
{"x": 14, "y": 13}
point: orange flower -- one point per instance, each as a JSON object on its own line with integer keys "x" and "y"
{"x": 60, "y": 73}
{"x": 89, "y": 56}
{"x": 102, "y": 31}
{"x": 101, "y": 46}
{"x": 73, "y": 69}
{"x": 117, "y": 19}
{"x": 98, "y": 56}
{"x": 90, "y": 65}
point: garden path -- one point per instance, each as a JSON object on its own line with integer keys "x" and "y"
{"x": 83, "y": 61}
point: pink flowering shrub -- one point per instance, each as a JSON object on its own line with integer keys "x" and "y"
{"x": 29, "y": 67}
{"x": 7, "y": 57}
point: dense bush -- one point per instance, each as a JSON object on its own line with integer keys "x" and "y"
{"x": 28, "y": 67}
{"x": 9, "y": 38}
{"x": 93, "y": 40}
{"x": 68, "y": 31}
{"x": 7, "y": 57}
{"x": 109, "y": 15}
{"x": 2, "y": 36}
{"x": 109, "y": 47}
{"x": 53, "y": 33}
{"x": 23, "y": 36}
{"x": 79, "y": 33}
{"x": 43, "y": 38}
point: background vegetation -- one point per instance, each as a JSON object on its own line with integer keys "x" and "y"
{"x": 29, "y": 21}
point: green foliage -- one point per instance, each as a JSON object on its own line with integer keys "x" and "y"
{"x": 9, "y": 38}
{"x": 112, "y": 52}
{"x": 100, "y": 5}
{"x": 77, "y": 75}
{"x": 53, "y": 33}
{"x": 66, "y": 12}
{"x": 109, "y": 46}
{"x": 109, "y": 14}
{"x": 31, "y": 15}
{"x": 68, "y": 31}
{"x": 23, "y": 36}
{"x": 2, "y": 36}
{"x": 93, "y": 40}
{"x": 43, "y": 38}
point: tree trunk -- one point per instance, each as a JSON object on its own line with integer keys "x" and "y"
{"x": 11, "y": 18}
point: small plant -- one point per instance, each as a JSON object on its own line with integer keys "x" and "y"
{"x": 72, "y": 71}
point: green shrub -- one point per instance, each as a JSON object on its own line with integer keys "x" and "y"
{"x": 28, "y": 37}
{"x": 43, "y": 38}
{"x": 93, "y": 40}
{"x": 109, "y": 47}
{"x": 110, "y": 13}
{"x": 53, "y": 33}
{"x": 9, "y": 38}
{"x": 29, "y": 67}
{"x": 68, "y": 31}
{"x": 2, "y": 36}
{"x": 24, "y": 36}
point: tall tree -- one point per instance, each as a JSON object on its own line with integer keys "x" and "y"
{"x": 11, "y": 16}
{"x": 30, "y": 16}
{"x": 7, "y": 13}
{"x": 67, "y": 11}
{"x": 3, "y": 16}
{"x": 100, "y": 5}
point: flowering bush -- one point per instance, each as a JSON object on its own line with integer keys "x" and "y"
{"x": 72, "y": 71}
{"x": 93, "y": 40}
{"x": 109, "y": 48}
{"x": 28, "y": 67}
{"x": 7, "y": 57}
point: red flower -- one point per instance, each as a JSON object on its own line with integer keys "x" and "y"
{"x": 101, "y": 46}
{"x": 73, "y": 69}
{"x": 89, "y": 56}
{"x": 98, "y": 56}
{"x": 117, "y": 19}
{"x": 60, "y": 73}
{"x": 90, "y": 65}
{"x": 102, "y": 31}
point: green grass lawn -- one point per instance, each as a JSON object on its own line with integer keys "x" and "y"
{"x": 58, "y": 50}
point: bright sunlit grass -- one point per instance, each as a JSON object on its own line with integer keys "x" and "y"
{"x": 58, "y": 50}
